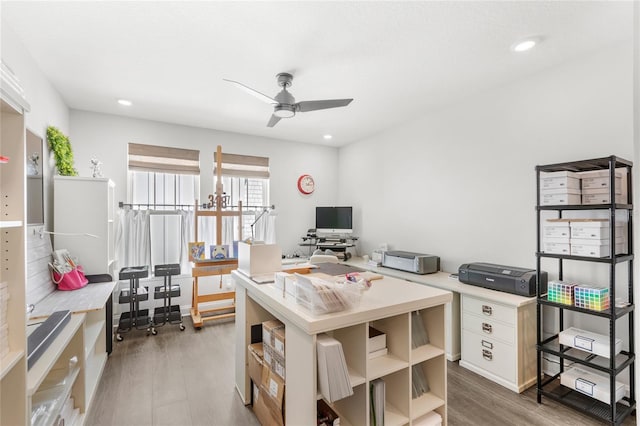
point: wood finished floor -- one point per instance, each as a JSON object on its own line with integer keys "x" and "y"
{"x": 187, "y": 378}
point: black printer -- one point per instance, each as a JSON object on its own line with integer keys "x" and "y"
{"x": 520, "y": 281}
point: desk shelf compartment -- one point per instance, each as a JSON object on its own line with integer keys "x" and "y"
{"x": 47, "y": 403}
{"x": 351, "y": 409}
{"x": 397, "y": 399}
{"x": 623, "y": 368}
{"x": 397, "y": 329}
{"x": 434, "y": 371}
{"x": 435, "y": 336}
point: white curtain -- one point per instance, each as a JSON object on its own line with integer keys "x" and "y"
{"x": 133, "y": 245}
{"x": 265, "y": 228}
{"x": 188, "y": 232}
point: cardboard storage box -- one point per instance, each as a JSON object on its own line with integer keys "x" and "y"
{"x": 601, "y": 198}
{"x": 278, "y": 337}
{"x": 556, "y": 228}
{"x": 556, "y": 248}
{"x": 262, "y": 411}
{"x": 274, "y": 361}
{"x": 268, "y": 327}
{"x": 560, "y": 197}
{"x": 595, "y": 229}
{"x": 591, "y": 382}
{"x": 259, "y": 259}
{"x": 272, "y": 394}
{"x": 594, "y": 250}
{"x": 256, "y": 362}
{"x": 561, "y": 179}
{"x": 587, "y": 341}
{"x": 599, "y": 179}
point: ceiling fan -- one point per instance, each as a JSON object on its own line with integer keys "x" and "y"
{"x": 284, "y": 104}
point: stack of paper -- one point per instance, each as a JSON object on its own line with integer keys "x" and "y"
{"x": 377, "y": 343}
{"x": 419, "y": 336}
{"x": 333, "y": 374}
{"x": 376, "y": 391}
{"x": 419, "y": 382}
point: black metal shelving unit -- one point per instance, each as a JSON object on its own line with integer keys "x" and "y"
{"x": 614, "y": 412}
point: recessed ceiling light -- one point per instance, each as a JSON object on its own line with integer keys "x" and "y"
{"x": 125, "y": 102}
{"x": 526, "y": 44}
{"x": 327, "y": 137}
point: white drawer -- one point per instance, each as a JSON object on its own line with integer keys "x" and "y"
{"x": 488, "y": 309}
{"x": 490, "y": 355}
{"x": 486, "y": 327}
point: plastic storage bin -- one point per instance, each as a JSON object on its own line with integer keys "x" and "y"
{"x": 321, "y": 296}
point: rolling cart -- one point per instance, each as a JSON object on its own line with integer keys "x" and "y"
{"x": 167, "y": 313}
{"x": 136, "y": 318}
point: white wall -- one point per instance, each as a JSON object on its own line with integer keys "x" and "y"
{"x": 460, "y": 182}
{"x": 106, "y": 137}
{"x": 47, "y": 106}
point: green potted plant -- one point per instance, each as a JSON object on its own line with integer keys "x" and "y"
{"x": 61, "y": 148}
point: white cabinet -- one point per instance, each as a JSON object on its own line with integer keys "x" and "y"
{"x": 498, "y": 341}
{"x": 85, "y": 206}
{"x": 388, "y": 307}
{"x": 13, "y": 337}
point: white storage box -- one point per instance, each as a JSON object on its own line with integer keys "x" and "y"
{"x": 560, "y": 197}
{"x": 556, "y": 248}
{"x": 561, "y": 240}
{"x": 596, "y": 241}
{"x": 587, "y": 341}
{"x": 556, "y": 228}
{"x": 595, "y": 230}
{"x": 594, "y": 250}
{"x": 430, "y": 419}
{"x": 591, "y": 383}
{"x": 561, "y": 179}
{"x": 286, "y": 282}
{"x": 598, "y": 179}
{"x": 589, "y": 199}
{"x": 259, "y": 259}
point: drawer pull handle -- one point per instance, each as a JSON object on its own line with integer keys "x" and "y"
{"x": 487, "y": 310}
{"x": 486, "y": 354}
{"x": 487, "y": 328}
{"x": 486, "y": 344}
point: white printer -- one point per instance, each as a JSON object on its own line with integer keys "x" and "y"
{"x": 411, "y": 262}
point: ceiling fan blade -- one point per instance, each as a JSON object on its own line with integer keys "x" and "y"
{"x": 305, "y": 106}
{"x": 249, "y": 90}
{"x": 273, "y": 121}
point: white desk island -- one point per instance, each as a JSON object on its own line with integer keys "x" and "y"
{"x": 387, "y": 306}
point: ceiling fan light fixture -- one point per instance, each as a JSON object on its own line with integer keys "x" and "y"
{"x": 284, "y": 111}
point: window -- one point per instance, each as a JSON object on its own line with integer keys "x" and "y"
{"x": 163, "y": 179}
{"x": 245, "y": 178}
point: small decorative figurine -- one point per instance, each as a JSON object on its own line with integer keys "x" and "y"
{"x": 33, "y": 164}
{"x": 95, "y": 166}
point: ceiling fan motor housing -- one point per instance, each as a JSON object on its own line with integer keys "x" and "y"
{"x": 284, "y": 110}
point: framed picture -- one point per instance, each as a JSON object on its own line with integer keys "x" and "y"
{"x": 196, "y": 251}
{"x": 219, "y": 252}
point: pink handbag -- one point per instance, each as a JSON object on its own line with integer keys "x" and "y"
{"x": 72, "y": 280}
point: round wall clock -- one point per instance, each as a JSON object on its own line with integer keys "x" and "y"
{"x": 306, "y": 185}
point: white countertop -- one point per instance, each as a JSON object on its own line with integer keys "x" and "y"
{"x": 91, "y": 297}
{"x": 386, "y": 297}
{"x": 444, "y": 281}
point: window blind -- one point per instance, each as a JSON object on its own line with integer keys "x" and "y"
{"x": 162, "y": 159}
{"x": 246, "y": 166}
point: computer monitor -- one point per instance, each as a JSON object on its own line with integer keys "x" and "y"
{"x": 334, "y": 220}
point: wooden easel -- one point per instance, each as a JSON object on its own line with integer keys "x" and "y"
{"x": 212, "y": 267}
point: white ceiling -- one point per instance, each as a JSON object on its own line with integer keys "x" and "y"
{"x": 396, "y": 59}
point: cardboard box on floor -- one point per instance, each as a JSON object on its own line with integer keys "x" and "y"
{"x": 262, "y": 411}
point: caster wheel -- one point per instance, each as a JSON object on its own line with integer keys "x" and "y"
{"x": 154, "y": 331}
{"x": 198, "y": 328}
{"x": 119, "y": 338}
{"x": 182, "y": 327}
